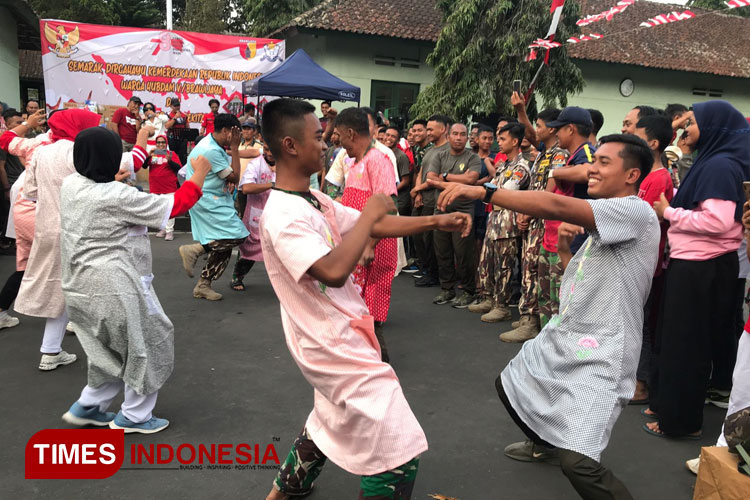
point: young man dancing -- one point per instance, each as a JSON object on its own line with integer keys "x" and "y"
{"x": 566, "y": 387}
{"x": 311, "y": 245}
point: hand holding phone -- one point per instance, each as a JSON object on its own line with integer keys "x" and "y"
{"x": 517, "y": 86}
{"x": 746, "y": 188}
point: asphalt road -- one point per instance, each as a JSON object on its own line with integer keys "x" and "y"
{"x": 235, "y": 382}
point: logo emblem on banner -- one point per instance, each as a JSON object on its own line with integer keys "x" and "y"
{"x": 249, "y": 50}
{"x": 74, "y": 453}
{"x": 63, "y": 44}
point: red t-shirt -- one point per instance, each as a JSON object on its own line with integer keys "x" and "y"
{"x": 179, "y": 123}
{"x": 500, "y": 158}
{"x": 126, "y": 122}
{"x": 162, "y": 179}
{"x": 656, "y": 183}
{"x": 208, "y": 122}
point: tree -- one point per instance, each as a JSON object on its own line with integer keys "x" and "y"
{"x": 205, "y": 16}
{"x": 266, "y": 16}
{"x": 482, "y": 49}
{"x": 83, "y": 11}
{"x": 139, "y": 13}
{"x": 719, "y": 5}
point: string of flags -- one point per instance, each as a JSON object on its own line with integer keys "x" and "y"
{"x": 607, "y": 14}
{"x": 668, "y": 18}
{"x": 549, "y": 42}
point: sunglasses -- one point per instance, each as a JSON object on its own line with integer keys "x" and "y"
{"x": 161, "y": 142}
{"x": 148, "y": 109}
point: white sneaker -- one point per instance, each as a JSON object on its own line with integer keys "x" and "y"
{"x": 693, "y": 464}
{"x": 7, "y": 321}
{"x": 50, "y": 362}
{"x": 169, "y": 236}
{"x": 71, "y": 327}
{"x": 161, "y": 234}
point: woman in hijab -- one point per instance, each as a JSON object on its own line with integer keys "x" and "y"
{"x": 128, "y": 339}
{"x": 40, "y": 293}
{"x": 163, "y": 166}
{"x": 695, "y": 323}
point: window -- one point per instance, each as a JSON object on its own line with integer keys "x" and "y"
{"x": 708, "y": 92}
{"x": 394, "y": 100}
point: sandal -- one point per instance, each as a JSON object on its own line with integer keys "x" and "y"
{"x": 237, "y": 285}
{"x": 652, "y": 415}
{"x": 660, "y": 433}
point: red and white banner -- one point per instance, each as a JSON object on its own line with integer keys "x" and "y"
{"x": 607, "y": 14}
{"x": 584, "y": 38}
{"x": 736, "y": 4}
{"x": 667, "y": 18}
{"x": 103, "y": 66}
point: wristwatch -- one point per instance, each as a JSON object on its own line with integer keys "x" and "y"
{"x": 445, "y": 176}
{"x": 25, "y": 123}
{"x": 489, "y": 190}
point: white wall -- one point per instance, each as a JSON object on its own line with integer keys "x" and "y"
{"x": 10, "y": 89}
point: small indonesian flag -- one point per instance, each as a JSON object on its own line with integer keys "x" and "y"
{"x": 668, "y": 18}
{"x": 736, "y": 4}
{"x": 556, "y": 11}
{"x": 585, "y": 38}
{"x": 541, "y": 43}
{"x": 607, "y": 14}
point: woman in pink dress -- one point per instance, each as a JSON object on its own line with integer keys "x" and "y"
{"x": 257, "y": 180}
{"x": 368, "y": 172}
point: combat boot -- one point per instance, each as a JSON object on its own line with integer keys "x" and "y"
{"x": 203, "y": 290}
{"x": 483, "y": 307}
{"x": 497, "y": 314}
{"x": 528, "y": 328}
{"x": 190, "y": 254}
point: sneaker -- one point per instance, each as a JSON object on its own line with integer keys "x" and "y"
{"x": 444, "y": 297}
{"x": 463, "y": 301}
{"x": 160, "y": 234}
{"x": 169, "y": 236}
{"x": 718, "y": 398}
{"x": 421, "y": 273}
{"x": 528, "y": 328}
{"x": 410, "y": 269}
{"x": 527, "y": 451}
{"x": 71, "y": 328}
{"x": 82, "y": 415}
{"x": 496, "y": 315}
{"x": 483, "y": 307}
{"x": 150, "y": 426}
{"x": 427, "y": 281}
{"x": 50, "y": 362}
{"x": 693, "y": 465}
{"x": 8, "y": 321}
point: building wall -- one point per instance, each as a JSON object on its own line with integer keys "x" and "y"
{"x": 652, "y": 87}
{"x": 10, "y": 90}
{"x": 352, "y": 58}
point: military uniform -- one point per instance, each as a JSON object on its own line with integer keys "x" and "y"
{"x": 501, "y": 240}
{"x": 531, "y": 241}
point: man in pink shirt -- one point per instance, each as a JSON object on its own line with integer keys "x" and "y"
{"x": 311, "y": 245}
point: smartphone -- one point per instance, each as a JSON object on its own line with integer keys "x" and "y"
{"x": 746, "y": 188}
{"x": 160, "y": 152}
{"x": 517, "y": 86}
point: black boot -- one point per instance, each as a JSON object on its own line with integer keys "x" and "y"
{"x": 381, "y": 340}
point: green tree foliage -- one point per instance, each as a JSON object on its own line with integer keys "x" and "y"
{"x": 482, "y": 49}
{"x": 719, "y": 5}
{"x": 266, "y": 16}
{"x": 84, "y": 11}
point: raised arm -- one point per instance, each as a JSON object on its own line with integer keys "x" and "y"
{"x": 576, "y": 173}
{"x": 519, "y": 104}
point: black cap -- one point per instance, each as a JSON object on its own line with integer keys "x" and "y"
{"x": 572, "y": 114}
{"x": 136, "y": 100}
{"x": 174, "y": 101}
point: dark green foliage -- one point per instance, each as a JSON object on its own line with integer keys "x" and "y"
{"x": 482, "y": 49}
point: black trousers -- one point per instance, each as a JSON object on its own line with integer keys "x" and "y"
{"x": 457, "y": 260}
{"x": 423, "y": 243}
{"x": 10, "y": 290}
{"x": 589, "y": 478}
{"x": 694, "y": 337}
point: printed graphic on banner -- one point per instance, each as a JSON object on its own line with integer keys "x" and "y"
{"x": 104, "y": 66}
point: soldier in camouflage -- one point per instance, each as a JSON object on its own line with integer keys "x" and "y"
{"x": 532, "y": 231}
{"x": 501, "y": 240}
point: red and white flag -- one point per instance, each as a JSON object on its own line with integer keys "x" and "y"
{"x": 736, "y": 4}
{"x": 607, "y": 14}
{"x": 667, "y": 18}
{"x": 556, "y": 11}
{"x": 542, "y": 43}
{"x": 585, "y": 38}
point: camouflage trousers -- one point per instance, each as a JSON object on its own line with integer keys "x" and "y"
{"x": 305, "y": 461}
{"x": 550, "y": 274}
{"x": 531, "y": 242}
{"x": 496, "y": 268}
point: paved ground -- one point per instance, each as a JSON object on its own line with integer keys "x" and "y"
{"x": 234, "y": 382}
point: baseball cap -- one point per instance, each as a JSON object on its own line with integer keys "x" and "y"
{"x": 136, "y": 100}
{"x": 572, "y": 114}
{"x": 173, "y": 101}
{"x": 249, "y": 124}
